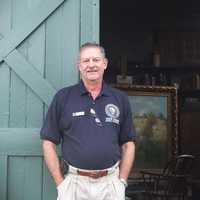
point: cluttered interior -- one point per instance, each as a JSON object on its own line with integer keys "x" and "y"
{"x": 153, "y": 48}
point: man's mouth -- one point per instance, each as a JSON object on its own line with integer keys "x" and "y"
{"x": 91, "y": 71}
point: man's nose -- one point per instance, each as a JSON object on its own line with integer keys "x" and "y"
{"x": 91, "y": 62}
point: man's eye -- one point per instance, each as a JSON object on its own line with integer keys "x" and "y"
{"x": 96, "y": 59}
{"x": 85, "y": 61}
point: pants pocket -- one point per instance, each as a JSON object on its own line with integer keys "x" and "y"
{"x": 118, "y": 189}
{"x": 63, "y": 187}
{"x": 61, "y": 184}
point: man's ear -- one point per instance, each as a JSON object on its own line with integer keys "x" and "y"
{"x": 105, "y": 63}
{"x": 78, "y": 64}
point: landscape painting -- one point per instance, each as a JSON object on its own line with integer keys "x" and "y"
{"x": 150, "y": 119}
{"x": 154, "y": 112}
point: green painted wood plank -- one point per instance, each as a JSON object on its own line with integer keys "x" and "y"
{"x": 24, "y": 177}
{"x": 21, "y": 10}
{"x": 5, "y": 17}
{"x": 62, "y": 44}
{"x": 20, "y": 141}
{"x": 54, "y": 42}
{"x": 30, "y": 76}
{"x": 49, "y": 188}
{"x": 34, "y": 3}
{"x": 86, "y": 21}
{"x": 34, "y": 114}
{"x": 33, "y": 49}
{"x": 18, "y": 88}
{"x": 16, "y": 178}
{"x": 96, "y": 20}
{"x": 17, "y": 116}
{"x": 30, "y": 22}
{"x": 3, "y": 177}
{"x": 4, "y": 91}
{"x": 36, "y": 48}
{"x": 36, "y": 56}
{"x": 33, "y": 176}
{"x": 70, "y": 38}
{"x": 19, "y": 130}
{"x": 89, "y": 21}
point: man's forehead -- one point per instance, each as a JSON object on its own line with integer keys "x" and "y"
{"x": 90, "y": 51}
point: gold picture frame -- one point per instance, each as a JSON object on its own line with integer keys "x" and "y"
{"x": 155, "y": 117}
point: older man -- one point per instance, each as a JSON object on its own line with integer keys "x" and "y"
{"x": 93, "y": 123}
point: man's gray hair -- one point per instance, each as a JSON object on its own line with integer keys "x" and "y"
{"x": 93, "y": 44}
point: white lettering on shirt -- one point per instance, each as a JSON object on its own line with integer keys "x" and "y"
{"x": 76, "y": 114}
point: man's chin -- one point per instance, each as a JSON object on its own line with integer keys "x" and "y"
{"x": 93, "y": 78}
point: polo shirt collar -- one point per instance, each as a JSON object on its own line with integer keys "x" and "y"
{"x": 82, "y": 88}
{"x": 104, "y": 92}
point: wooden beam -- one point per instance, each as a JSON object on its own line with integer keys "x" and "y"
{"x": 20, "y": 142}
{"x": 16, "y": 141}
{"x": 31, "y": 76}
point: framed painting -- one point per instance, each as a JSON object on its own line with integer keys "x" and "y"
{"x": 155, "y": 117}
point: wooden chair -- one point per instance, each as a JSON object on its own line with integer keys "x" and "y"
{"x": 171, "y": 183}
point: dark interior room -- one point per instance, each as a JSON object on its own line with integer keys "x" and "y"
{"x": 157, "y": 43}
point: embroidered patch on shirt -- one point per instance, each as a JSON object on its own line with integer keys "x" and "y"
{"x": 112, "y": 111}
{"x": 113, "y": 120}
{"x": 76, "y": 114}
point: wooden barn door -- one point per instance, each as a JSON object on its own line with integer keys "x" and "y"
{"x": 39, "y": 41}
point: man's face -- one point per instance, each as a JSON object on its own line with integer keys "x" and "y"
{"x": 92, "y": 64}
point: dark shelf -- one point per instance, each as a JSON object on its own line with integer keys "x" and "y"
{"x": 193, "y": 93}
{"x": 184, "y": 67}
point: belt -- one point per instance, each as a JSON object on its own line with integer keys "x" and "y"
{"x": 93, "y": 174}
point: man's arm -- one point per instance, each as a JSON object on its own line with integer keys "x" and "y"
{"x": 128, "y": 156}
{"x": 52, "y": 161}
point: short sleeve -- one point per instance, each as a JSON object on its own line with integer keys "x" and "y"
{"x": 50, "y": 129}
{"x": 127, "y": 129}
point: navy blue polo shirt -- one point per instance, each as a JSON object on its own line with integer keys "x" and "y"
{"x": 91, "y": 132}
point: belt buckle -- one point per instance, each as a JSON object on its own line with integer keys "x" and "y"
{"x": 94, "y": 175}
{"x": 98, "y": 174}
{"x": 91, "y": 174}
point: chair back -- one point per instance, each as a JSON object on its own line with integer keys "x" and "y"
{"x": 184, "y": 164}
{"x": 181, "y": 165}
{"x": 172, "y": 182}
{"x": 178, "y": 170}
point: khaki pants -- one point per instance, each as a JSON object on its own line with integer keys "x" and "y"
{"x": 76, "y": 187}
